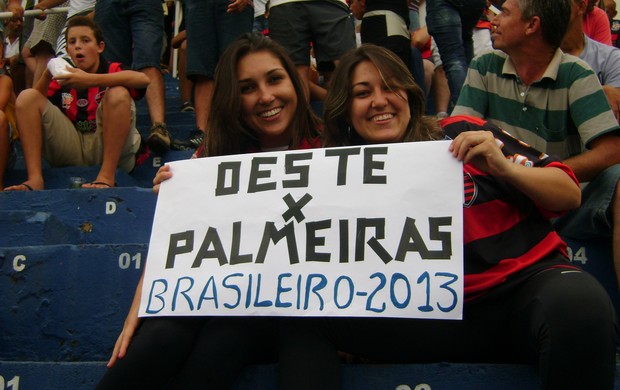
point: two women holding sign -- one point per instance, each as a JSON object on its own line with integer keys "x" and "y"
{"x": 524, "y": 301}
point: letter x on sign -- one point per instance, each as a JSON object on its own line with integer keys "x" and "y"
{"x": 294, "y": 208}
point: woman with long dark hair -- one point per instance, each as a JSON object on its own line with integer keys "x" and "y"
{"x": 258, "y": 105}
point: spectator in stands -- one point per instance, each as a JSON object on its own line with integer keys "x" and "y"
{"x": 211, "y": 26}
{"x": 84, "y": 117}
{"x": 482, "y": 33}
{"x": 7, "y": 101}
{"x": 41, "y": 44}
{"x": 385, "y": 23}
{"x": 437, "y": 88}
{"x": 261, "y": 24}
{"x": 12, "y": 34}
{"x": 133, "y": 32}
{"x": 603, "y": 59}
{"x": 15, "y": 6}
{"x": 524, "y": 301}
{"x": 596, "y": 23}
{"x": 326, "y": 23}
{"x": 12, "y": 41}
{"x": 76, "y": 8}
{"x": 186, "y": 86}
{"x": 451, "y": 24}
{"x": 259, "y": 104}
{"x": 610, "y": 9}
{"x": 414, "y": 14}
{"x": 554, "y": 102}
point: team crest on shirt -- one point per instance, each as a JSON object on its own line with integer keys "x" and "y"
{"x": 471, "y": 190}
{"x": 99, "y": 97}
{"x": 82, "y": 103}
{"x": 67, "y": 99}
{"x": 521, "y": 160}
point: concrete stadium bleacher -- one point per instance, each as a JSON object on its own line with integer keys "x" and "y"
{"x": 70, "y": 260}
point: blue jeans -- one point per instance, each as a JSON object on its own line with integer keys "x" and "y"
{"x": 210, "y": 29}
{"x": 451, "y": 23}
{"x": 260, "y": 24}
{"x": 133, "y": 31}
{"x": 417, "y": 69}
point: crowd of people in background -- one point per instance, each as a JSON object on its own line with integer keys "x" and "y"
{"x": 548, "y": 72}
{"x": 436, "y": 41}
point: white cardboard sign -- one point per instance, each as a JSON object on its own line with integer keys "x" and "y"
{"x": 355, "y": 231}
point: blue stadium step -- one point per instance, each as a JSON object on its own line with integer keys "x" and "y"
{"x": 180, "y": 124}
{"x": 595, "y": 256}
{"x": 27, "y": 227}
{"x": 438, "y": 376}
{"x": 65, "y": 302}
{"x": 145, "y": 172}
{"x": 76, "y": 216}
{"x": 60, "y": 178}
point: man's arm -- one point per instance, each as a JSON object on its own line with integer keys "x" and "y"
{"x": 604, "y": 152}
{"x": 613, "y": 96}
{"x": 609, "y": 75}
{"x": 78, "y": 79}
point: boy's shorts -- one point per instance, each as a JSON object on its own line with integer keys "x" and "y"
{"x": 593, "y": 218}
{"x": 63, "y": 145}
{"x": 328, "y": 25}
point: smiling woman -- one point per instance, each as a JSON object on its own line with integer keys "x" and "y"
{"x": 258, "y": 102}
{"x": 268, "y": 99}
{"x": 523, "y": 300}
{"x": 258, "y": 105}
{"x": 373, "y": 97}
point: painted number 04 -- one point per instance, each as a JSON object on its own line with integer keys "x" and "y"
{"x": 125, "y": 260}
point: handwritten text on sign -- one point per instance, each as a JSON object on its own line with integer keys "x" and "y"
{"x": 356, "y": 231}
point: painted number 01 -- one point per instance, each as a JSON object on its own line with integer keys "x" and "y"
{"x": 13, "y": 384}
{"x": 125, "y": 260}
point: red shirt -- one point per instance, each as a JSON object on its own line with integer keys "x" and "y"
{"x": 81, "y": 106}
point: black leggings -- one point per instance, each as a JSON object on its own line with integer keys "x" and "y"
{"x": 560, "y": 319}
{"x": 193, "y": 352}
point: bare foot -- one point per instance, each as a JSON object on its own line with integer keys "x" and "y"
{"x": 28, "y": 185}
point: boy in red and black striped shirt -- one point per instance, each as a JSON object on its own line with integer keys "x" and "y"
{"x": 83, "y": 117}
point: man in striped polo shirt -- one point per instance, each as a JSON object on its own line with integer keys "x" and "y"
{"x": 554, "y": 102}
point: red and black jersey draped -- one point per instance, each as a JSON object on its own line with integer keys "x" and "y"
{"x": 81, "y": 106}
{"x": 507, "y": 236}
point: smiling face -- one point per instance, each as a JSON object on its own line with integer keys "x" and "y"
{"x": 268, "y": 98}
{"x": 379, "y": 113}
{"x": 84, "y": 48}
